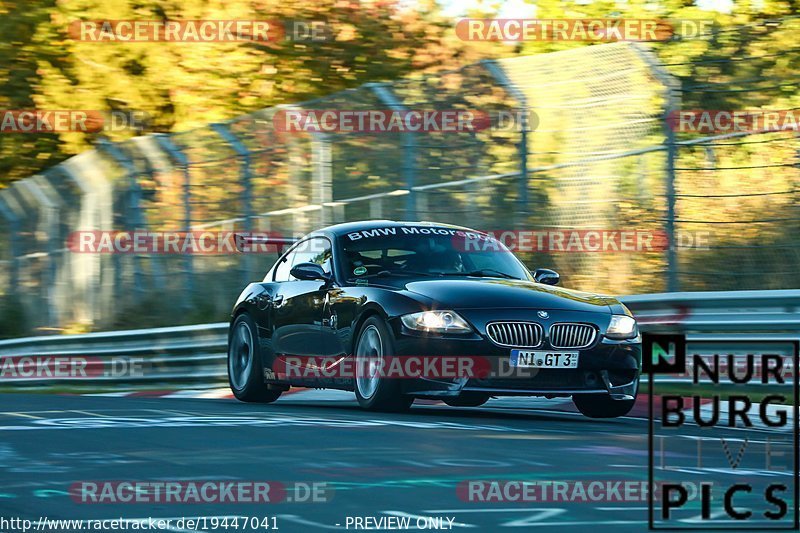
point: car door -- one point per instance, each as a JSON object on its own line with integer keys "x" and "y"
{"x": 297, "y": 306}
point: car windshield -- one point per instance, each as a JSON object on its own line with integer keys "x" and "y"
{"x": 427, "y": 251}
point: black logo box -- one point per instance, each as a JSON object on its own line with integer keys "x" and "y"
{"x": 679, "y": 365}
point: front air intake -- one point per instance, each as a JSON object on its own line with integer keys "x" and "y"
{"x": 572, "y": 335}
{"x": 515, "y": 334}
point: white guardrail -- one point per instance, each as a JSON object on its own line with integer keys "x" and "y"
{"x": 195, "y": 356}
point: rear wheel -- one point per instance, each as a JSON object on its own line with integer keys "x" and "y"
{"x": 601, "y": 405}
{"x": 245, "y": 373}
{"x": 467, "y": 399}
{"x": 374, "y": 392}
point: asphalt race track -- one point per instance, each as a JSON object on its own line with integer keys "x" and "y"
{"x": 374, "y": 465}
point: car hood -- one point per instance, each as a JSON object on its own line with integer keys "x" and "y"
{"x": 505, "y": 293}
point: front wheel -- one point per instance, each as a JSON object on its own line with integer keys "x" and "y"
{"x": 373, "y": 392}
{"x": 244, "y": 363}
{"x": 601, "y": 405}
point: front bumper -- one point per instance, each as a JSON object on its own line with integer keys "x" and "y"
{"x": 608, "y": 366}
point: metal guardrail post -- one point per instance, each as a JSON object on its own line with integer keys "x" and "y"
{"x": 385, "y": 94}
{"x": 247, "y": 187}
{"x": 522, "y": 105}
{"x": 177, "y": 154}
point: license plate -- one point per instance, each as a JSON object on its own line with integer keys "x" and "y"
{"x": 529, "y": 359}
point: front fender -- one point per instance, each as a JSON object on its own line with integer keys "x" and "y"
{"x": 246, "y": 301}
{"x": 353, "y": 305}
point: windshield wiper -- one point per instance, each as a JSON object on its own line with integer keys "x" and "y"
{"x": 482, "y": 273}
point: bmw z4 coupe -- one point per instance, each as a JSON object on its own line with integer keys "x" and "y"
{"x": 395, "y": 311}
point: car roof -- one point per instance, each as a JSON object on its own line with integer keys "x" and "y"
{"x": 348, "y": 227}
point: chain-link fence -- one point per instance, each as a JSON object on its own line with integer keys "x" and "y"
{"x": 588, "y": 148}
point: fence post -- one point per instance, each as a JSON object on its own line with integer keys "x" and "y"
{"x": 31, "y": 215}
{"x": 387, "y": 97}
{"x": 12, "y": 211}
{"x": 376, "y": 208}
{"x": 669, "y": 225}
{"x": 522, "y": 107}
{"x": 139, "y": 150}
{"x": 49, "y": 206}
{"x": 85, "y": 269}
{"x": 133, "y": 205}
{"x": 672, "y": 88}
{"x": 247, "y": 188}
{"x": 322, "y": 175}
{"x": 177, "y": 154}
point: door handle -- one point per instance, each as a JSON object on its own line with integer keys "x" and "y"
{"x": 278, "y": 300}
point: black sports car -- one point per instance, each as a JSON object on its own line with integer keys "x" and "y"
{"x": 355, "y": 295}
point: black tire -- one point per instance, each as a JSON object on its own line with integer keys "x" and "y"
{"x": 467, "y": 399}
{"x": 375, "y": 340}
{"x": 245, "y": 373}
{"x": 601, "y": 405}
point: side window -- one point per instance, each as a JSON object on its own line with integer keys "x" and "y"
{"x": 283, "y": 268}
{"x": 323, "y": 254}
{"x": 316, "y": 250}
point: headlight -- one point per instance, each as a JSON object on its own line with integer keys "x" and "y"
{"x": 436, "y": 321}
{"x": 621, "y": 327}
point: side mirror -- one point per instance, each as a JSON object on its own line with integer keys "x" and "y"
{"x": 309, "y": 272}
{"x": 546, "y": 276}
